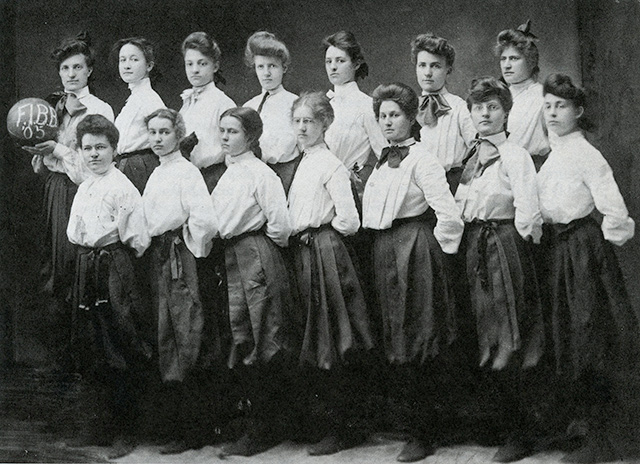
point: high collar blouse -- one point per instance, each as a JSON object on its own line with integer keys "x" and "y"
{"x": 408, "y": 191}
{"x": 108, "y": 209}
{"x": 506, "y": 189}
{"x": 176, "y": 196}
{"x": 321, "y": 193}
{"x": 248, "y": 196}
{"x": 574, "y": 180}
{"x": 202, "y": 115}
{"x": 525, "y": 124}
{"x": 130, "y": 122}
{"x": 354, "y": 131}
{"x": 278, "y": 139}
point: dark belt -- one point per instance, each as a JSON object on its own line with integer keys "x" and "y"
{"x": 167, "y": 243}
{"x": 305, "y": 237}
{"x": 229, "y": 242}
{"x": 144, "y": 151}
{"x": 93, "y": 275}
{"x": 562, "y": 231}
{"x": 428, "y": 216}
{"x": 487, "y": 228}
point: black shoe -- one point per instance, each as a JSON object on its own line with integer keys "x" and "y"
{"x": 513, "y": 450}
{"x": 121, "y": 447}
{"x": 415, "y": 450}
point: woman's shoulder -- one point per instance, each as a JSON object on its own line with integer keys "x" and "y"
{"x": 97, "y": 106}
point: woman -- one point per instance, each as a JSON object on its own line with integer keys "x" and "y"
{"x": 499, "y": 203}
{"x": 594, "y": 328}
{"x": 136, "y": 63}
{"x": 63, "y": 168}
{"x": 519, "y": 65}
{"x": 337, "y": 326}
{"x": 203, "y": 105}
{"x": 410, "y": 278}
{"x": 253, "y": 222}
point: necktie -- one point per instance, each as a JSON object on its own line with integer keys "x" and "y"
{"x": 481, "y": 155}
{"x": 264, "y": 99}
{"x": 69, "y": 103}
{"x": 432, "y": 106}
{"x": 394, "y": 155}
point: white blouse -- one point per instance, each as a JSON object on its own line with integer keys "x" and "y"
{"x": 525, "y": 124}
{"x": 321, "y": 193}
{"x": 354, "y": 131}
{"x": 505, "y": 190}
{"x": 249, "y": 195}
{"x": 278, "y": 140}
{"x": 408, "y": 191}
{"x": 452, "y": 135}
{"x": 201, "y": 110}
{"x": 574, "y": 180}
{"x": 130, "y": 122}
{"x": 176, "y": 196}
{"x": 108, "y": 209}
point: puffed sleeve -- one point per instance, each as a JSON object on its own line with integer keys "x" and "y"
{"x": 372, "y": 128}
{"x": 72, "y": 163}
{"x": 271, "y": 198}
{"x": 521, "y": 172}
{"x": 429, "y": 175}
{"x": 132, "y": 225}
{"x": 346, "y": 220}
{"x": 617, "y": 226}
{"x": 465, "y": 125}
{"x": 201, "y": 226}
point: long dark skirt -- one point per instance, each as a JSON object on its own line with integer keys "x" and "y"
{"x": 138, "y": 166}
{"x": 505, "y": 296}
{"x": 260, "y": 301}
{"x": 108, "y": 312}
{"x": 418, "y": 309}
{"x": 58, "y": 267}
{"x": 180, "y": 318}
{"x": 336, "y": 319}
{"x": 594, "y": 327}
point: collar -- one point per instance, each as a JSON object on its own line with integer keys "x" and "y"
{"x": 142, "y": 84}
{"x": 343, "y": 90}
{"x": 316, "y": 148}
{"x": 443, "y": 91}
{"x": 83, "y": 92}
{"x": 520, "y": 87}
{"x": 170, "y": 157}
{"x": 275, "y": 91}
{"x": 496, "y": 139}
{"x": 246, "y": 156}
{"x": 198, "y": 90}
{"x": 405, "y": 143}
{"x": 556, "y": 141}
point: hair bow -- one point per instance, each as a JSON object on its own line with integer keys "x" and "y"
{"x": 526, "y": 29}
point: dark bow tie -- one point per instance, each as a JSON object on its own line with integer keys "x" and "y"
{"x": 394, "y": 155}
{"x": 432, "y": 106}
{"x": 482, "y": 154}
{"x": 69, "y": 102}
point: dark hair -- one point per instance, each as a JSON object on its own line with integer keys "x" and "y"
{"x": 346, "y": 41}
{"x": 173, "y": 116}
{"x": 251, "y": 124}
{"x": 265, "y": 43}
{"x": 561, "y": 86}
{"x": 318, "y": 103}
{"x": 71, "y": 46}
{"x": 522, "y": 40}
{"x": 433, "y": 44}
{"x": 406, "y": 99}
{"x": 485, "y": 88}
{"x": 205, "y": 44}
{"x": 96, "y": 124}
{"x": 145, "y": 46}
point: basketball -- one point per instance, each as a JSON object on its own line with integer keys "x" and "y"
{"x": 31, "y": 121}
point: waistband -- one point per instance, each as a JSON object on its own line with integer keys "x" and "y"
{"x": 428, "y": 216}
{"x": 233, "y": 240}
{"x": 108, "y": 248}
{"x": 563, "y": 229}
{"x": 305, "y": 237}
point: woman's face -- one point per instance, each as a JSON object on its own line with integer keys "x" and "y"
{"x": 560, "y": 115}
{"x": 74, "y": 72}
{"x": 431, "y": 71}
{"x": 514, "y": 66}
{"x": 199, "y": 67}
{"x": 132, "y": 64}
{"x": 233, "y": 137}
{"x": 309, "y": 130}
{"x": 395, "y": 124}
{"x": 97, "y": 153}
{"x": 162, "y": 136}
{"x": 269, "y": 71}
{"x": 489, "y": 117}
{"x": 340, "y": 69}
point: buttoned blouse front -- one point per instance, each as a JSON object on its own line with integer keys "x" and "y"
{"x": 177, "y": 196}
{"x": 574, "y": 180}
{"x": 278, "y": 139}
{"x": 203, "y": 118}
{"x": 354, "y": 131}
{"x": 130, "y": 122}
{"x": 525, "y": 124}
{"x": 452, "y": 135}
{"x": 505, "y": 190}
{"x": 408, "y": 191}
{"x": 108, "y": 209}
{"x": 321, "y": 193}
{"x": 248, "y": 196}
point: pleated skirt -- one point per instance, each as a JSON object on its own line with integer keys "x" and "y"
{"x": 505, "y": 296}
{"x": 260, "y": 301}
{"x": 337, "y": 327}
{"x": 594, "y": 326}
{"x": 414, "y": 294}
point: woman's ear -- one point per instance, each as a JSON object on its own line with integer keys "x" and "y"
{"x": 216, "y": 67}
{"x": 150, "y": 66}
{"x": 579, "y": 111}
{"x": 90, "y": 70}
